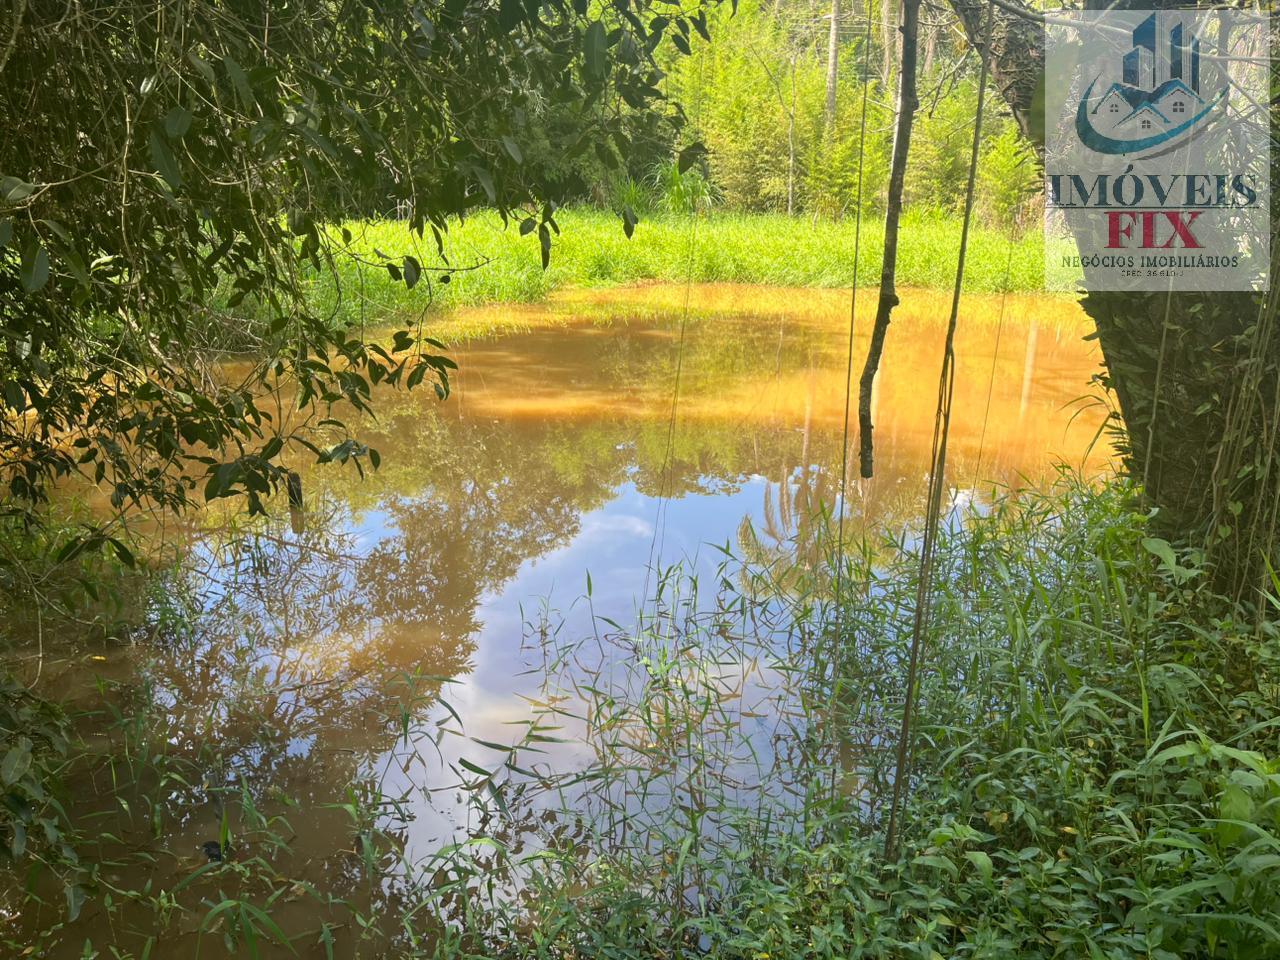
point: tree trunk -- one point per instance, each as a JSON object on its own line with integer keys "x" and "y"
{"x": 930, "y": 47}
{"x": 833, "y": 63}
{"x": 888, "y": 37}
{"x": 907, "y": 103}
{"x": 1196, "y": 375}
{"x": 791, "y": 143}
{"x": 1017, "y": 62}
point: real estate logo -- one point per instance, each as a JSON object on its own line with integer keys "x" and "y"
{"x": 1157, "y": 151}
{"x": 1158, "y": 100}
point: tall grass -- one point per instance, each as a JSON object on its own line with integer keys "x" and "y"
{"x": 490, "y": 263}
{"x": 1095, "y": 765}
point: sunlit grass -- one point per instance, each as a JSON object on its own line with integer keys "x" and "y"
{"x": 489, "y": 263}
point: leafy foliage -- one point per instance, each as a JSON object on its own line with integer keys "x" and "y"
{"x": 756, "y": 96}
{"x": 168, "y": 175}
{"x": 35, "y": 745}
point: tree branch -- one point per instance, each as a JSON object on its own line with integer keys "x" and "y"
{"x": 907, "y": 103}
{"x": 19, "y": 10}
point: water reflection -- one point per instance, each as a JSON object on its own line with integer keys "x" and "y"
{"x": 320, "y": 658}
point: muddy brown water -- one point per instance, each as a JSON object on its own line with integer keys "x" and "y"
{"x": 289, "y": 665}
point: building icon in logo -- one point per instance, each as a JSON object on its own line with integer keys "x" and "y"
{"x": 1158, "y": 97}
{"x": 1156, "y": 59}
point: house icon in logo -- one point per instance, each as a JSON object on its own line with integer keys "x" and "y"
{"x": 1158, "y": 97}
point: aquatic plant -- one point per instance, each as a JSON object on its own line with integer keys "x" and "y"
{"x": 1095, "y": 773}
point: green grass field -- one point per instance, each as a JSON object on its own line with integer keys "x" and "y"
{"x": 493, "y": 264}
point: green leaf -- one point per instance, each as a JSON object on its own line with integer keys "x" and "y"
{"x": 513, "y": 149}
{"x": 629, "y": 221}
{"x": 16, "y": 762}
{"x": 941, "y": 863}
{"x": 496, "y": 792}
{"x": 486, "y": 181}
{"x": 35, "y": 267}
{"x": 122, "y": 552}
{"x": 544, "y": 241}
{"x": 606, "y": 155}
{"x": 693, "y": 154}
{"x": 412, "y": 271}
{"x": 1176, "y": 752}
{"x": 1235, "y": 809}
{"x": 71, "y": 260}
{"x": 1161, "y": 549}
{"x": 239, "y": 80}
{"x": 75, "y": 900}
{"x": 6, "y": 231}
{"x": 1236, "y": 804}
{"x": 13, "y": 190}
{"x": 162, "y": 157}
{"x": 14, "y": 396}
{"x": 221, "y": 479}
{"x": 699, "y": 21}
{"x": 57, "y": 229}
{"x": 176, "y": 122}
{"x": 981, "y": 862}
{"x": 73, "y": 548}
{"x": 202, "y": 67}
{"x": 426, "y": 26}
{"x": 474, "y": 767}
{"x": 594, "y": 50}
{"x": 510, "y": 13}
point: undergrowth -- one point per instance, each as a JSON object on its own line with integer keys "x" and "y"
{"x": 1095, "y": 769}
{"x": 1094, "y": 774}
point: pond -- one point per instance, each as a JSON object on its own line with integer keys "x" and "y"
{"x": 397, "y": 630}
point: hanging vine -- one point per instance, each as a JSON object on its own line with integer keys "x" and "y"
{"x": 937, "y": 483}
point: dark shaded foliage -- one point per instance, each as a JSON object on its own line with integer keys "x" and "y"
{"x": 169, "y": 172}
